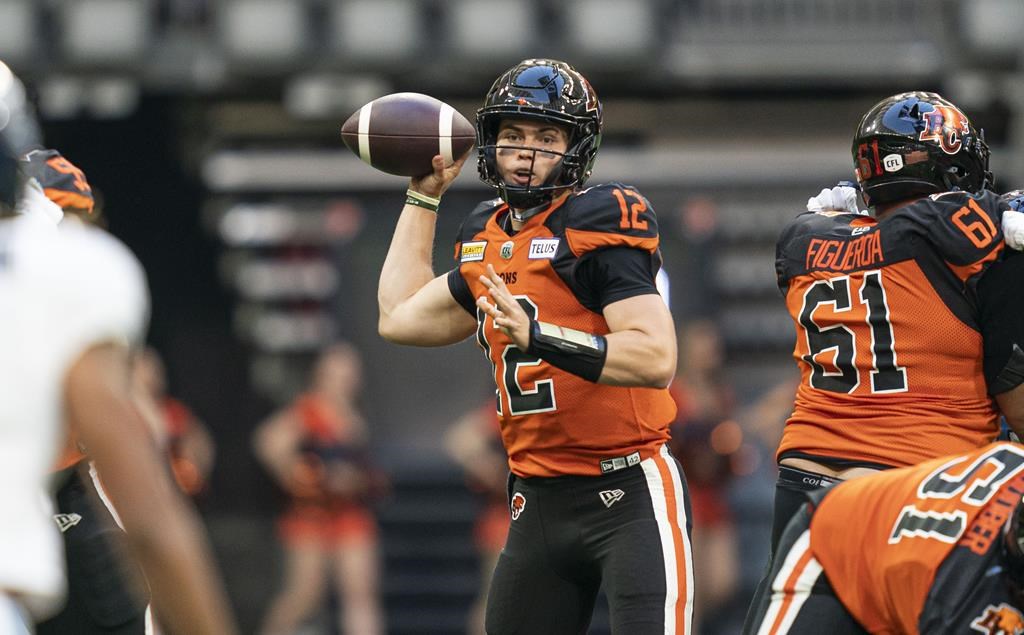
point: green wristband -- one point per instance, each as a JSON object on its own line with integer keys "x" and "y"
{"x": 422, "y": 200}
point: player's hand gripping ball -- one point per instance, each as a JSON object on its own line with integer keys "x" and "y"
{"x": 401, "y": 133}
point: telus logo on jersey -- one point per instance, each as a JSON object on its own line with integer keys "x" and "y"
{"x": 543, "y": 248}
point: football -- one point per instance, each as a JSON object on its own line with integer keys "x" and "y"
{"x": 401, "y": 133}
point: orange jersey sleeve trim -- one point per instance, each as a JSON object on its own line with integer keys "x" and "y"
{"x": 70, "y": 199}
{"x": 964, "y": 272}
{"x": 581, "y": 241}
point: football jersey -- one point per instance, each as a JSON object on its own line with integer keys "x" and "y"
{"x": 887, "y": 335}
{"x": 918, "y": 549}
{"x": 553, "y": 422}
{"x": 62, "y": 290}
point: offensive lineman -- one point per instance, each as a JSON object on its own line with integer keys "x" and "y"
{"x": 935, "y": 549}
{"x": 72, "y": 302}
{"x": 558, "y": 283}
{"x": 889, "y": 342}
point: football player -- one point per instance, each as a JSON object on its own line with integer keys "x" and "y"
{"x": 888, "y": 337}
{"x": 73, "y": 300}
{"x": 558, "y": 284}
{"x": 939, "y": 552}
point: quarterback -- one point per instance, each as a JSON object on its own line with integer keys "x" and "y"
{"x": 557, "y": 282}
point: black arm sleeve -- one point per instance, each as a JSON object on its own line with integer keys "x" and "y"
{"x": 460, "y": 291}
{"x": 1001, "y": 314}
{"x": 617, "y": 273}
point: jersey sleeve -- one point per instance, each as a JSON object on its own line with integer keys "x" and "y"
{"x": 792, "y": 233}
{"x": 474, "y": 223}
{"x": 791, "y": 246}
{"x": 460, "y": 291}
{"x": 617, "y": 273}
{"x": 965, "y": 229}
{"x": 611, "y": 215}
{"x": 468, "y": 249}
{"x": 1000, "y": 307}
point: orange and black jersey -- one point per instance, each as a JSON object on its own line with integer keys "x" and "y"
{"x": 919, "y": 549}
{"x": 583, "y": 252}
{"x": 888, "y": 338}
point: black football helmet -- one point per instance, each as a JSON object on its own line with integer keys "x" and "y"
{"x": 915, "y": 144}
{"x": 553, "y": 92}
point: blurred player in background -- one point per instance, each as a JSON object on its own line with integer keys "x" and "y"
{"x": 705, "y": 437}
{"x": 558, "y": 283}
{"x": 888, "y": 338}
{"x": 73, "y": 301}
{"x": 933, "y": 549}
{"x": 189, "y": 446}
{"x": 316, "y": 450}
{"x": 474, "y": 442}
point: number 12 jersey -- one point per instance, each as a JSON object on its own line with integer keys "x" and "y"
{"x": 583, "y": 252}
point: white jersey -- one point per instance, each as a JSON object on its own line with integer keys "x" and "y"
{"x": 62, "y": 290}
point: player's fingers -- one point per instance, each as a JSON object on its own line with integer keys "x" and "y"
{"x": 495, "y": 278}
{"x": 488, "y": 308}
{"x": 438, "y": 164}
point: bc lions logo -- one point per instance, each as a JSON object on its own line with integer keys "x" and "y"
{"x": 518, "y": 505}
{"x": 946, "y": 126}
{"x": 999, "y": 620}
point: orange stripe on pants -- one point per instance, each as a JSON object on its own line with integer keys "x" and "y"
{"x": 789, "y": 588}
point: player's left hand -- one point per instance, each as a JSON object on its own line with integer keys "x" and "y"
{"x": 504, "y": 309}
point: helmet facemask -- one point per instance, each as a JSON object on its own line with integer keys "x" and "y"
{"x": 570, "y": 171}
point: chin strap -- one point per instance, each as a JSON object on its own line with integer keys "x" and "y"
{"x": 521, "y": 215}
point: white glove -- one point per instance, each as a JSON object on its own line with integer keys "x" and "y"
{"x": 1013, "y": 229}
{"x": 33, "y": 201}
{"x": 841, "y": 198}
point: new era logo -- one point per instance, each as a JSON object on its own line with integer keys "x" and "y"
{"x": 611, "y": 496}
{"x": 66, "y": 521}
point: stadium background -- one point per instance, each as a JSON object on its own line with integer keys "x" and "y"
{"x": 210, "y": 129}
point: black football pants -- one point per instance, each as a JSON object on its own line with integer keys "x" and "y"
{"x": 797, "y": 598}
{"x": 102, "y": 598}
{"x": 628, "y": 530}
